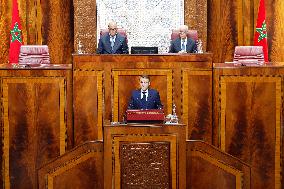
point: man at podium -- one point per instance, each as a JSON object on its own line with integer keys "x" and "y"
{"x": 145, "y": 98}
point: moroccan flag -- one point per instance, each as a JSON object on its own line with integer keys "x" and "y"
{"x": 260, "y": 36}
{"x": 16, "y": 38}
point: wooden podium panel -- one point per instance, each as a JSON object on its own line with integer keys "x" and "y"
{"x": 209, "y": 166}
{"x": 151, "y": 156}
{"x": 119, "y": 75}
{"x": 82, "y": 167}
{"x": 248, "y": 118}
{"x": 36, "y": 120}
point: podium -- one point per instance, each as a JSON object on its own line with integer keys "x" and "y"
{"x": 145, "y": 116}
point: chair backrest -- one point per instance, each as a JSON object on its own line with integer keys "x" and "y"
{"x": 248, "y": 54}
{"x": 34, "y": 54}
{"x": 191, "y": 34}
{"x": 121, "y": 31}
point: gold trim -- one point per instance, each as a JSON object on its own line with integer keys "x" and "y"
{"x": 146, "y": 138}
{"x": 278, "y": 134}
{"x": 100, "y": 104}
{"x": 185, "y": 94}
{"x": 30, "y": 82}
{"x": 67, "y": 166}
{"x": 221, "y": 165}
{"x": 185, "y": 101}
{"x": 115, "y": 96}
{"x": 277, "y": 81}
{"x": 117, "y": 73}
{"x": 99, "y": 76}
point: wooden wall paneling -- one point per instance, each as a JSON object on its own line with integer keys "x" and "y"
{"x": 247, "y": 23}
{"x": 197, "y": 104}
{"x": 222, "y": 29}
{"x": 88, "y": 103}
{"x": 116, "y": 136}
{"x": 85, "y": 25}
{"x": 33, "y": 20}
{"x": 249, "y": 124}
{"x": 29, "y": 130}
{"x": 209, "y": 166}
{"x": 5, "y": 24}
{"x": 57, "y": 29}
{"x": 82, "y": 167}
{"x": 125, "y": 80}
{"x": 275, "y": 30}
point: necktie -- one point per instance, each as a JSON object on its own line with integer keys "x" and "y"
{"x": 183, "y": 45}
{"x": 144, "y": 96}
{"x": 112, "y": 42}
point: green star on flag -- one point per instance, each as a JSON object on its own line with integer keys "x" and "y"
{"x": 260, "y": 34}
{"x": 16, "y": 33}
{"x": 262, "y": 31}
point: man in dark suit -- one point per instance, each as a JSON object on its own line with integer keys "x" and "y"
{"x": 183, "y": 44}
{"x": 112, "y": 42}
{"x": 145, "y": 98}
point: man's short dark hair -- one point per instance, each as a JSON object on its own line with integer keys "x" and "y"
{"x": 145, "y": 77}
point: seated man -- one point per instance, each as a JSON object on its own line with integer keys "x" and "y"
{"x": 183, "y": 44}
{"x": 145, "y": 98}
{"x": 112, "y": 42}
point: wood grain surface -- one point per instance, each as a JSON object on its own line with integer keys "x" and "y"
{"x": 225, "y": 25}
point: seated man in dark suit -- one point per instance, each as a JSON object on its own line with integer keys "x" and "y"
{"x": 112, "y": 42}
{"x": 183, "y": 44}
{"x": 145, "y": 98}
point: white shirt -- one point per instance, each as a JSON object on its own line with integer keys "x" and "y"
{"x": 112, "y": 38}
{"x": 183, "y": 41}
{"x": 145, "y": 94}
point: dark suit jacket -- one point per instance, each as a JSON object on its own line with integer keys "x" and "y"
{"x": 120, "y": 45}
{"x": 176, "y": 47}
{"x": 153, "y": 101}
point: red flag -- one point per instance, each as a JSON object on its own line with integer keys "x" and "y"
{"x": 16, "y": 38}
{"x": 260, "y": 36}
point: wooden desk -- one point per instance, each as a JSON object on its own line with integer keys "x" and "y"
{"x": 144, "y": 155}
{"x": 249, "y": 118}
{"x": 36, "y": 119}
{"x": 103, "y": 84}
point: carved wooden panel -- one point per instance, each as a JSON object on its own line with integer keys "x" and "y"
{"x": 88, "y": 105}
{"x": 125, "y": 80}
{"x": 80, "y": 168}
{"x": 169, "y": 140}
{"x": 249, "y": 105}
{"x": 145, "y": 165}
{"x": 209, "y": 167}
{"x": 34, "y": 126}
{"x": 85, "y": 25}
{"x": 197, "y": 104}
{"x": 195, "y": 16}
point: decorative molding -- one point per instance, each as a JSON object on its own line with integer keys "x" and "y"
{"x": 117, "y": 73}
{"x": 99, "y": 77}
{"x": 185, "y": 94}
{"x": 224, "y": 80}
{"x": 29, "y": 81}
{"x": 237, "y": 173}
{"x": 117, "y": 138}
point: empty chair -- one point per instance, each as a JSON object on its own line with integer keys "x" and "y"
{"x": 34, "y": 54}
{"x": 249, "y": 54}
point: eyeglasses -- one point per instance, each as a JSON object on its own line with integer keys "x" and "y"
{"x": 182, "y": 32}
{"x": 112, "y": 29}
